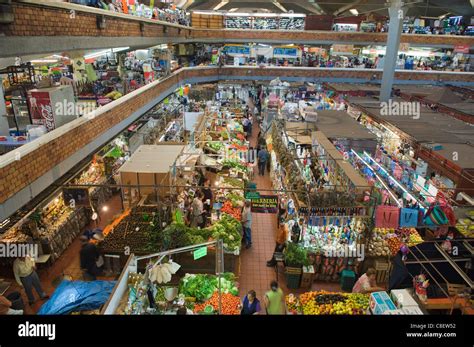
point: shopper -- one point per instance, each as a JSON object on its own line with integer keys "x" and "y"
{"x": 90, "y": 259}
{"x": 366, "y": 283}
{"x": 250, "y": 304}
{"x": 24, "y": 269}
{"x": 274, "y": 299}
{"x": 5, "y": 307}
{"x": 197, "y": 208}
{"x": 281, "y": 239}
{"x": 247, "y": 224}
{"x": 399, "y": 276}
{"x": 207, "y": 195}
{"x": 262, "y": 161}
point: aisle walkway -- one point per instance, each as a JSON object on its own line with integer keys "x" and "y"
{"x": 254, "y": 273}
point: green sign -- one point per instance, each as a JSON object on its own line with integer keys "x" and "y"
{"x": 252, "y": 195}
{"x": 200, "y": 252}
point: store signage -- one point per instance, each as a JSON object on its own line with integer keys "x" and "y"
{"x": 252, "y": 195}
{"x": 343, "y": 49}
{"x": 284, "y": 51}
{"x": 237, "y": 50}
{"x": 461, "y": 49}
{"x": 265, "y": 204}
{"x": 199, "y": 253}
{"x": 404, "y": 47}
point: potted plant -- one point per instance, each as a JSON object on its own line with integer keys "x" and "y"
{"x": 295, "y": 258}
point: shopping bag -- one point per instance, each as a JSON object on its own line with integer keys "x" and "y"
{"x": 408, "y": 217}
{"x": 435, "y": 216}
{"x": 387, "y": 216}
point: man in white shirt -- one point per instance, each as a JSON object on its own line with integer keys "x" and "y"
{"x": 24, "y": 270}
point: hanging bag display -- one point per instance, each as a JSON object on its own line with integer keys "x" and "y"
{"x": 435, "y": 216}
{"x": 409, "y": 217}
{"x": 387, "y": 216}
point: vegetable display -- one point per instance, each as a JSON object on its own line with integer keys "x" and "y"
{"x": 217, "y": 146}
{"x": 202, "y": 286}
{"x": 233, "y": 211}
{"x": 234, "y": 164}
{"x": 230, "y": 304}
{"x": 229, "y": 230}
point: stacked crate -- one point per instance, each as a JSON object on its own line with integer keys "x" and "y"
{"x": 207, "y": 21}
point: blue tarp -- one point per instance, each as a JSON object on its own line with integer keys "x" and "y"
{"x": 71, "y": 296}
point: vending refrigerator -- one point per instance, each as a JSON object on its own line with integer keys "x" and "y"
{"x": 52, "y": 107}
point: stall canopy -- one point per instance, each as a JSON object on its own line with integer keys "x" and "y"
{"x": 340, "y": 125}
{"x": 150, "y": 166}
{"x": 74, "y": 296}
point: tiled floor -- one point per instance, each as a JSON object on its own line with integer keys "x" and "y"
{"x": 254, "y": 274}
{"x": 68, "y": 262}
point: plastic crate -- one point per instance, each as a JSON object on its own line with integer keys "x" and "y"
{"x": 293, "y": 277}
{"x": 347, "y": 280}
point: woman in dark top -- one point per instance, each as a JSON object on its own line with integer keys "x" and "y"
{"x": 250, "y": 304}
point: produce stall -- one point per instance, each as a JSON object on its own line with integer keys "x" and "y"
{"x": 327, "y": 303}
{"x": 163, "y": 287}
{"x": 147, "y": 175}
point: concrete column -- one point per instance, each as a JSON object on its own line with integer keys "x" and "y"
{"x": 396, "y": 13}
{"x": 3, "y": 113}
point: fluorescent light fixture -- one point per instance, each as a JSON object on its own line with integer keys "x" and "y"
{"x": 101, "y": 53}
{"x": 354, "y": 11}
{"x": 280, "y": 6}
{"x": 377, "y": 176}
{"x": 221, "y": 4}
{"x": 393, "y": 179}
{"x": 40, "y": 61}
{"x": 233, "y": 9}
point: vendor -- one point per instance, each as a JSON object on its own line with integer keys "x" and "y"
{"x": 281, "y": 239}
{"x": 366, "y": 283}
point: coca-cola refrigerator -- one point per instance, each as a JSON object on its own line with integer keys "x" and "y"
{"x": 52, "y": 107}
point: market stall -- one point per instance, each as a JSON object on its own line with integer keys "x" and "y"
{"x": 157, "y": 284}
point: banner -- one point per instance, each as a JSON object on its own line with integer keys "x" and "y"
{"x": 265, "y": 204}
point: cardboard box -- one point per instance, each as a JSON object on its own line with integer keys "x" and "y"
{"x": 403, "y": 298}
{"x": 408, "y": 310}
{"x": 381, "y": 302}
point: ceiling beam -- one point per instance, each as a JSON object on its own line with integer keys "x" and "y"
{"x": 309, "y": 6}
{"x": 347, "y": 7}
{"x": 279, "y": 6}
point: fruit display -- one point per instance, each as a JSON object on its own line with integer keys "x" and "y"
{"x": 409, "y": 236}
{"x": 292, "y": 303}
{"x": 394, "y": 244}
{"x": 466, "y": 226}
{"x": 378, "y": 246}
{"x": 322, "y": 303}
{"x": 228, "y": 208}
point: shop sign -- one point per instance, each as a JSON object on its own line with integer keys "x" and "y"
{"x": 404, "y": 47}
{"x": 285, "y": 52}
{"x": 199, "y": 253}
{"x": 265, "y": 204}
{"x": 461, "y": 49}
{"x": 343, "y": 49}
{"x": 252, "y": 195}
